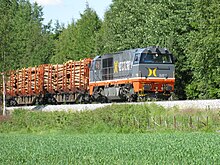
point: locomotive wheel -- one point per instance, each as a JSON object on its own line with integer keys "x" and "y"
{"x": 133, "y": 98}
{"x": 172, "y": 97}
{"x": 88, "y": 99}
{"x": 83, "y": 99}
{"x": 51, "y": 100}
{"x": 38, "y": 101}
{"x": 79, "y": 99}
{"x": 102, "y": 99}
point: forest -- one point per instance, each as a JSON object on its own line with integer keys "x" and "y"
{"x": 189, "y": 29}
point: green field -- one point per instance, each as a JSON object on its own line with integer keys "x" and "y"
{"x": 165, "y": 148}
{"x": 117, "y": 134}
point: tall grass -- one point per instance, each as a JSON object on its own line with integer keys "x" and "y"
{"x": 126, "y": 118}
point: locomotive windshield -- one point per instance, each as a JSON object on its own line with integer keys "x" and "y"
{"x": 147, "y": 58}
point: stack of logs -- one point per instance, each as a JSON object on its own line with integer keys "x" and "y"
{"x": 68, "y": 77}
{"x": 25, "y": 81}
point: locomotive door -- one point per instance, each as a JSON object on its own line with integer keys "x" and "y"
{"x": 97, "y": 70}
{"x": 95, "y": 74}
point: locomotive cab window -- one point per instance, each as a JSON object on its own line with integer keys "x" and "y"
{"x": 156, "y": 58}
{"x": 136, "y": 58}
{"x": 98, "y": 65}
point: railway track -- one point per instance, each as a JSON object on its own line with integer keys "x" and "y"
{"x": 183, "y": 104}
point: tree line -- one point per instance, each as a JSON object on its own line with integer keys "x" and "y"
{"x": 190, "y": 29}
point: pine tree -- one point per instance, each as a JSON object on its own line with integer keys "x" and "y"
{"x": 6, "y": 11}
{"x": 78, "y": 40}
{"x": 24, "y": 42}
{"x": 86, "y": 29}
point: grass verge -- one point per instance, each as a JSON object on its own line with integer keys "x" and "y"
{"x": 126, "y": 118}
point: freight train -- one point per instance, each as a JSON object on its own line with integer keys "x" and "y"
{"x": 130, "y": 75}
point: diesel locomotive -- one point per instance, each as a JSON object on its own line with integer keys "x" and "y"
{"x": 130, "y": 75}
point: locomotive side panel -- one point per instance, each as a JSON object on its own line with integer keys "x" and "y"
{"x": 123, "y": 64}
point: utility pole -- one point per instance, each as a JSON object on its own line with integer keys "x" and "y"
{"x": 4, "y": 106}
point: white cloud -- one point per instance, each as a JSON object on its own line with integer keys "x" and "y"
{"x": 48, "y": 2}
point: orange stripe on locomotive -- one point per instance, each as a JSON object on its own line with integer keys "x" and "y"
{"x": 138, "y": 84}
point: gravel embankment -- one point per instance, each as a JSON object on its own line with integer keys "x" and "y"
{"x": 185, "y": 104}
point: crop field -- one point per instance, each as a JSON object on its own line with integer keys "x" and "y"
{"x": 156, "y": 148}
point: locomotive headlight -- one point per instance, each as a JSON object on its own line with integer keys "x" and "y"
{"x": 168, "y": 88}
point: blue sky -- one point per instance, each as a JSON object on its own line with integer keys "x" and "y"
{"x": 66, "y": 10}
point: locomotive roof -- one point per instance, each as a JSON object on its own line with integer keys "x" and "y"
{"x": 149, "y": 49}
{"x": 153, "y": 49}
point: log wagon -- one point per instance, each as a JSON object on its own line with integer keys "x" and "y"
{"x": 49, "y": 84}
